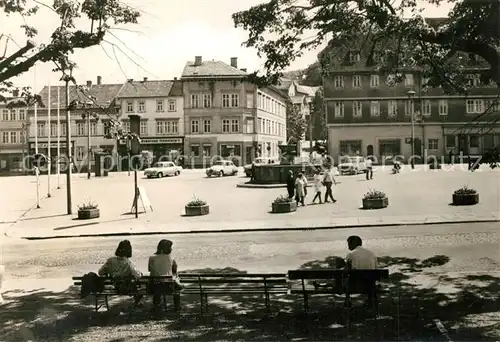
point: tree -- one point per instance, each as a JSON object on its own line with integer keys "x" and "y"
{"x": 65, "y": 38}
{"x": 319, "y": 116}
{"x": 296, "y": 124}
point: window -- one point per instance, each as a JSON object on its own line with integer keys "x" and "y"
{"x": 493, "y": 105}
{"x": 80, "y": 128}
{"x": 432, "y": 144}
{"x": 195, "y": 150}
{"x": 374, "y": 81}
{"x": 207, "y": 150}
{"x": 350, "y": 147}
{"x": 473, "y": 80}
{"x": 207, "y": 100}
{"x": 235, "y": 100}
{"x": 375, "y": 108}
{"x": 249, "y": 126}
{"x": 357, "y": 109}
{"x": 356, "y": 81}
{"x": 339, "y": 109}
{"x": 144, "y": 127}
{"x": 354, "y": 57}
{"x": 175, "y": 127}
{"x": 443, "y": 107}
{"x": 474, "y": 141}
{"x": 195, "y": 126}
{"x": 130, "y": 106}
{"x": 13, "y": 137}
{"x": 235, "y": 126}
{"x": 250, "y": 101}
{"x": 409, "y": 107}
{"x": 5, "y": 137}
{"x": 5, "y": 115}
{"x": 41, "y": 129}
{"x": 225, "y": 126}
{"x": 408, "y": 80}
{"x": 126, "y": 125}
{"x": 392, "y": 109}
{"x": 194, "y": 101}
{"x": 225, "y": 100}
{"x": 260, "y": 128}
{"x": 13, "y": 115}
{"x": 159, "y": 106}
{"x": 80, "y": 152}
{"x": 93, "y": 128}
{"x": 164, "y": 127}
{"x": 22, "y": 114}
{"x": 207, "y": 126}
{"x": 63, "y": 129}
{"x": 172, "y": 105}
{"x": 426, "y": 107}
{"x": 53, "y": 130}
{"x": 142, "y": 106}
{"x": 339, "y": 81}
{"x": 450, "y": 141}
{"x": 474, "y": 106}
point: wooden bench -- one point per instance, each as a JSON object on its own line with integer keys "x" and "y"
{"x": 203, "y": 285}
{"x": 346, "y": 283}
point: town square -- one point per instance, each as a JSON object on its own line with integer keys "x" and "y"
{"x": 256, "y": 170}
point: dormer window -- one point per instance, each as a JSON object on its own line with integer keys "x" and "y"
{"x": 354, "y": 57}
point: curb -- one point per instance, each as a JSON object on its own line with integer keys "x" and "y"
{"x": 260, "y": 186}
{"x": 247, "y": 230}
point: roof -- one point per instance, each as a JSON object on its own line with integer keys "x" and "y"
{"x": 7, "y": 102}
{"x": 211, "y": 69}
{"x": 176, "y": 89}
{"x": 283, "y": 83}
{"x": 145, "y": 89}
{"x": 310, "y": 91}
{"x": 103, "y": 93}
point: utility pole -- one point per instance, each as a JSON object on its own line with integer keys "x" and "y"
{"x": 69, "y": 157}
{"x": 89, "y": 148}
{"x": 411, "y": 108}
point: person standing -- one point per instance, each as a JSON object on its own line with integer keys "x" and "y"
{"x": 317, "y": 187}
{"x": 300, "y": 189}
{"x": 328, "y": 181}
{"x": 369, "y": 169}
{"x": 290, "y": 184}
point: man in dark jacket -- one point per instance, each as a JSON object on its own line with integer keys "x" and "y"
{"x": 290, "y": 184}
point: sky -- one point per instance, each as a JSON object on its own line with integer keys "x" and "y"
{"x": 169, "y": 33}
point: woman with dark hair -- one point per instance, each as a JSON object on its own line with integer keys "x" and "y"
{"x": 163, "y": 264}
{"x": 122, "y": 269}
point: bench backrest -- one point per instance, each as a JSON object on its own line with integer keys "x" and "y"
{"x": 374, "y": 275}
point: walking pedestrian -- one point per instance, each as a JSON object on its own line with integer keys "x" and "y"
{"x": 450, "y": 157}
{"x": 369, "y": 169}
{"x": 328, "y": 181}
{"x": 300, "y": 189}
{"x": 317, "y": 187}
{"x": 290, "y": 184}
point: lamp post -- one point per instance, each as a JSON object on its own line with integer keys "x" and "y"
{"x": 411, "y": 96}
{"x": 89, "y": 116}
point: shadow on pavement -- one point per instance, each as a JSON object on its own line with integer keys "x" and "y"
{"x": 418, "y": 304}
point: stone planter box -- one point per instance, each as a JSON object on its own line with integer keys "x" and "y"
{"x": 87, "y": 214}
{"x": 375, "y": 203}
{"x": 466, "y": 199}
{"x": 281, "y": 208}
{"x": 197, "y": 211}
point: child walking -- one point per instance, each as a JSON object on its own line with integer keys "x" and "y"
{"x": 318, "y": 183}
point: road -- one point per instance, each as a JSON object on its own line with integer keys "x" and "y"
{"x": 469, "y": 246}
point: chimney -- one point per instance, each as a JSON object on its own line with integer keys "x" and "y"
{"x": 99, "y": 80}
{"x": 198, "y": 60}
{"x": 145, "y": 79}
{"x": 15, "y": 93}
{"x": 234, "y": 62}
{"x": 244, "y": 69}
{"x": 89, "y": 83}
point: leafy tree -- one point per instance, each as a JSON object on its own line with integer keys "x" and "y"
{"x": 319, "y": 116}
{"x": 296, "y": 124}
{"x": 66, "y": 36}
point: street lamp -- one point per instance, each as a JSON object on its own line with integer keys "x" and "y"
{"x": 89, "y": 116}
{"x": 411, "y": 96}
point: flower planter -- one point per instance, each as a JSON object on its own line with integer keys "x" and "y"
{"x": 465, "y": 199}
{"x": 285, "y": 207}
{"x": 375, "y": 203}
{"x": 87, "y": 214}
{"x": 197, "y": 210}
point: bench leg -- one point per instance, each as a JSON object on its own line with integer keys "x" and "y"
{"x": 206, "y": 302}
{"x": 96, "y": 302}
{"x": 306, "y": 303}
{"x": 164, "y": 297}
{"x": 106, "y": 302}
{"x": 202, "y": 304}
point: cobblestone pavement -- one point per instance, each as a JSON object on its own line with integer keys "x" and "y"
{"x": 418, "y": 196}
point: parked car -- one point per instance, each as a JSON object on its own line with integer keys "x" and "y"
{"x": 222, "y": 168}
{"x": 258, "y": 161}
{"x": 162, "y": 169}
{"x": 352, "y": 165}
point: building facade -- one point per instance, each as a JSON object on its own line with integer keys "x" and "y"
{"x": 228, "y": 117}
{"x": 370, "y": 114}
{"x": 13, "y": 134}
{"x": 160, "y": 105}
{"x": 104, "y": 95}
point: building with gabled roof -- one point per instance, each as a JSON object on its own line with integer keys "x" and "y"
{"x": 228, "y": 117}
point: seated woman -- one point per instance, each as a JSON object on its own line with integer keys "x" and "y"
{"x": 163, "y": 264}
{"x": 123, "y": 270}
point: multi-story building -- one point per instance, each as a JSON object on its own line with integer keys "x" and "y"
{"x": 13, "y": 128}
{"x": 369, "y": 114}
{"x": 161, "y": 107}
{"x": 228, "y": 117}
{"x": 104, "y": 95}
